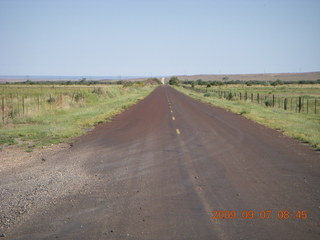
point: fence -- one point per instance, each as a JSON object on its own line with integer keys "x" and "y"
{"x": 16, "y": 106}
{"x": 294, "y": 104}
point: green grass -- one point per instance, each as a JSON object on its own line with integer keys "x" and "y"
{"x": 56, "y": 124}
{"x": 301, "y": 126}
{"x": 289, "y": 90}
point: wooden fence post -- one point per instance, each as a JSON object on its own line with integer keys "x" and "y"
{"x": 18, "y": 105}
{"x": 300, "y": 104}
{"x": 285, "y": 104}
{"x": 315, "y": 106}
{"x": 12, "y": 105}
{"x": 2, "y": 107}
{"x": 23, "y": 105}
{"x": 272, "y": 100}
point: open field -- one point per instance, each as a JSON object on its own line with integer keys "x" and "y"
{"x": 303, "y": 125}
{"x": 35, "y": 115}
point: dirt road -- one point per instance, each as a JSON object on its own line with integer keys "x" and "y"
{"x": 160, "y": 170}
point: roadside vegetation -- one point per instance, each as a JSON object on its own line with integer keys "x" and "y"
{"x": 34, "y": 115}
{"x": 278, "y": 106}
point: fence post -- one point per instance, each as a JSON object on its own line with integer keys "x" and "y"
{"x": 12, "y": 110}
{"x": 258, "y": 97}
{"x": 38, "y": 103}
{"x": 285, "y": 104}
{"x": 2, "y": 107}
{"x": 300, "y": 105}
{"x": 315, "y": 106}
{"x": 23, "y": 105}
{"x": 18, "y": 105}
{"x": 246, "y": 96}
{"x": 307, "y": 105}
{"x": 273, "y": 100}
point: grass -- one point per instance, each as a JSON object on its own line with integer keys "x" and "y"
{"x": 288, "y": 90}
{"x": 56, "y": 123}
{"x": 301, "y": 126}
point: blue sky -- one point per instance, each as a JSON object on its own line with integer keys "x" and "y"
{"x": 158, "y": 37}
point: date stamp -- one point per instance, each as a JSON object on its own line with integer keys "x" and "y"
{"x": 264, "y": 214}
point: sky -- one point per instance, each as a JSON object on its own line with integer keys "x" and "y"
{"x": 158, "y": 37}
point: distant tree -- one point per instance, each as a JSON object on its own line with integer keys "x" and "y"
{"x": 174, "y": 81}
{"x": 83, "y": 80}
{"x": 200, "y": 82}
{"x": 249, "y": 83}
{"x": 29, "y": 82}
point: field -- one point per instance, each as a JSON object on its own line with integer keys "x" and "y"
{"x": 292, "y": 109}
{"x": 37, "y": 115}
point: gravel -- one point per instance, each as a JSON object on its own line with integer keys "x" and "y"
{"x": 25, "y": 187}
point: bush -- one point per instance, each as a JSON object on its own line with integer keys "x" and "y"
{"x": 268, "y": 103}
{"x": 78, "y": 96}
{"x": 127, "y": 84}
{"x": 249, "y": 83}
{"x": 51, "y": 100}
{"x": 174, "y": 81}
{"x": 229, "y": 96}
{"x": 98, "y": 91}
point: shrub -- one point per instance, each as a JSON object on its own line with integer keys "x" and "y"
{"x": 174, "y": 81}
{"x": 127, "y": 84}
{"x": 51, "y": 100}
{"x": 78, "y": 96}
{"x": 98, "y": 91}
{"x": 244, "y": 112}
{"x": 229, "y": 96}
{"x": 268, "y": 103}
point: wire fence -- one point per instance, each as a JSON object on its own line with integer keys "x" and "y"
{"x": 299, "y": 104}
{"x": 16, "y": 106}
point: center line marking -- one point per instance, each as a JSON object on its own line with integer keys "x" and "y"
{"x": 173, "y": 118}
{"x": 178, "y": 131}
{"x": 171, "y": 111}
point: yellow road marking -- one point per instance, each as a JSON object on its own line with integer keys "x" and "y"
{"x": 173, "y": 118}
{"x": 178, "y": 131}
